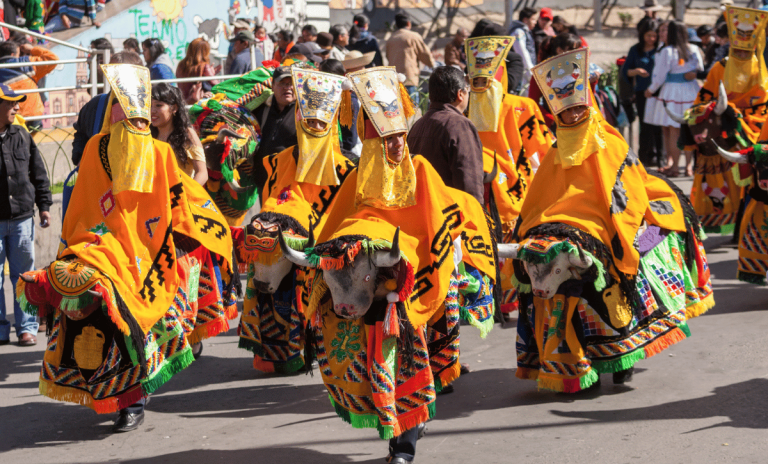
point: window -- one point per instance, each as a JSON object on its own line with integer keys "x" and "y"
{"x": 57, "y": 106}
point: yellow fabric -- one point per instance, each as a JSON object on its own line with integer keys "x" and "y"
{"x": 485, "y": 106}
{"x": 380, "y": 183}
{"x": 522, "y": 131}
{"x": 440, "y": 215}
{"x": 317, "y": 154}
{"x": 751, "y": 103}
{"x": 508, "y": 189}
{"x": 127, "y": 237}
{"x": 742, "y": 75}
{"x": 131, "y": 158}
{"x": 575, "y": 143}
{"x": 583, "y": 196}
{"x": 303, "y": 201}
{"x": 746, "y": 27}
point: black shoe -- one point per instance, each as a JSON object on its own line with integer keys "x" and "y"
{"x": 448, "y": 389}
{"x": 392, "y": 460}
{"x": 127, "y": 422}
{"x": 197, "y": 350}
{"x": 422, "y": 430}
{"x": 623, "y": 376}
{"x": 4, "y": 342}
{"x": 465, "y": 369}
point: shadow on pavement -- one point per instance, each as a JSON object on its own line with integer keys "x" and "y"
{"x": 742, "y": 403}
{"x": 265, "y": 455}
{"x": 20, "y": 363}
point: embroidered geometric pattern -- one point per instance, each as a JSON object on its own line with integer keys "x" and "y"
{"x": 151, "y": 226}
{"x": 637, "y": 340}
{"x": 712, "y": 220}
{"x": 107, "y": 203}
{"x": 593, "y": 324}
{"x": 753, "y": 241}
{"x": 672, "y": 280}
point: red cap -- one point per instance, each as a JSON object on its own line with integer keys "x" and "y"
{"x": 546, "y": 13}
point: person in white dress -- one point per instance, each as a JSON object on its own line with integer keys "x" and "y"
{"x": 674, "y": 72}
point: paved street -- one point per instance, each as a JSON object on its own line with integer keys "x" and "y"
{"x": 703, "y": 400}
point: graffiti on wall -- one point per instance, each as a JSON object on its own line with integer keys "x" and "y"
{"x": 274, "y": 15}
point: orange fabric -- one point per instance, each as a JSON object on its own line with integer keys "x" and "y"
{"x": 33, "y": 105}
{"x": 582, "y": 197}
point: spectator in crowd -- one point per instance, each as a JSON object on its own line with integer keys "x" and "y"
{"x": 159, "y": 63}
{"x": 334, "y": 67}
{"x": 308, "y": 34}
{"x": 241, "y": 64}
{"x": 365, "y": 42}
{"x": 560, "y": 25}
{"x": 543, "y": 28}
{"x": 91, "y": 116}
{"x": 277, "y": 120}
{"x": 717, "y": 51}
{"x": 405, "y": 49}
{"x": 674, "y": 73}
{"x": 651, "y": 7}
{"x": 638, "y": 68}
{"x": 707, "y": 35}
{"x": 240, "y": 24}
{"x": 171, "y": 124}
{"x": 284, "y": 45}
{"x": 263, "y": 42}
{"x": 446, "y": 138}
{"x": 524, "y": 44}
{"x": 27, "y": 77}
{"x": 514, "y": 61}
{"x": 196, "y": 63}
{"x": 71, "y": 13}
{"x": 455, "y": 54}
{"x": 340, "y": 42}
{"x": 325, "y": 43}
{"x": 131, "y": 44}
{"x": 23, "y": 184}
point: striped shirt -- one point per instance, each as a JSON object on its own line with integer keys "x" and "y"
{"x": 76, "y": 9}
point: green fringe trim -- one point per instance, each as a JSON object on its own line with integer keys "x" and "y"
{"x": 251, "y": 345}
{"x": 619, "y": 364}
{"x": 370, "y": 421}
{"x": 72, "y": 304}
{"x": 588, "y": 379}
{"x": 289, "y": 367}
{"x": 256, "y": 102}
{"x": 170, "y": 369}
{"x": 438, "y": 384}
{"x": 537, "y": 258}
{"x": 296, "y": 243}
{"x": 522, "y": 288}
{"x": 724, "y": 229}
{"x": 756, "y": 279}
{"x": 684, "y": 327}
{"x": 484, "y": 327}
{"x": 26, "y": 306}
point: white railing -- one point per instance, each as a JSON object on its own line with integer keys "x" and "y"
{"x": 94, "y": 85}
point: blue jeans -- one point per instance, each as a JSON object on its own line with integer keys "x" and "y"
{"x": 17, "y": 243}
{"x": 413, "y": 91}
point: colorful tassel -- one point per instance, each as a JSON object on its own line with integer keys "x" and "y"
{"x": 391, "y": 320}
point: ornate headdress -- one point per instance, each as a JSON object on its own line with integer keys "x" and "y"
{"x": 131, "y": 85}
{"x": 745, "y": 27}
{"x": 318, "y": 94}
{"x": 486, "y": 56}
{"x": 318, "y": 97}
{"x": 382, "y": 183}
{"x": 564, "y": 80}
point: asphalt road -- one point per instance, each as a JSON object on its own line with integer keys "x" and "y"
{"x": 703, "y": 400}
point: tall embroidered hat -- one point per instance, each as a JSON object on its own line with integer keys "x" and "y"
{"x": 318, "y": 94}
{"x": 486, "y": 55}
{"x": 564, "y": 80}
{"x": 745, "y": 26}
{"x": 131, "y": 85}
{"x": 384, "y": 100}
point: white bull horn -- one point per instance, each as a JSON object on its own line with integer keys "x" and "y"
{"x": 508, "y": 250}
{"x": 578, "y": 263}
{"x": 675, "y": 117}
{"x": 235, "y": 186}
{"x": 224, "y": 133}
{"x": 722, "y": 100}
{"x": 391, "y": 257}
{"x": 296, "y": 257}
{"x": 732, "y": 156}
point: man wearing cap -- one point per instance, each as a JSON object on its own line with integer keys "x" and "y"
{"x": 241, "y": 47}
{"x": 277, "y": 120}
{"x": 325, "y": 42}
{"x": 23, "y": 184}
{"x": 543, "y": 28}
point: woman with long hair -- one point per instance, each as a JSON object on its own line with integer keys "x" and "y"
{"x": 638, "y": 68}
{"x": 196, "y": 63}
{"x": 171, "y": 124}
{"x": 674, "y": 72}
{"x": 158, "y": 62}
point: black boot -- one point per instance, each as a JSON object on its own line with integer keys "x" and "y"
{"x": 619, "y": 378}
{"x": 127, "y": 422}
{"x": 197, "y": 350}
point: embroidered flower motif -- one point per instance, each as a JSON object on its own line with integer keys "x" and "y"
{"x": 284, "y": 195}
{"x": 100, "y": 229}
{"x": 346, "y": 343}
